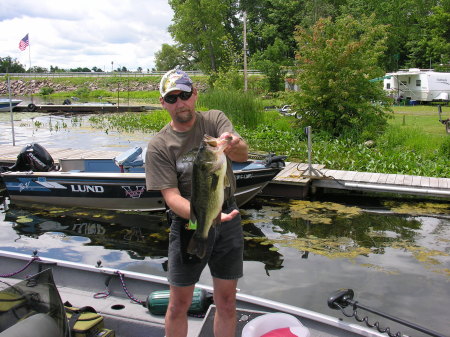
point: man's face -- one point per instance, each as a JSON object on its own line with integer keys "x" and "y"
{"x": 182, "y": 111}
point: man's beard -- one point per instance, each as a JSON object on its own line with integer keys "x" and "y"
{"x": 184, "y": 115}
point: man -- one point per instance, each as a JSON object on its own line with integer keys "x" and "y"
{"x": 169, "y": 160}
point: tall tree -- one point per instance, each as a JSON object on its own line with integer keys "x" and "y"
{"x": 272, "y": 62}
{"x": 203, "y": 29}
{"x": 431, "y": 47}
{"x": 10, "y": 65}
{"x": 336, "y": 60}
{"x": 171, "y": 56}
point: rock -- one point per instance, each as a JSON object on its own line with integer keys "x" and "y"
{"x": 369, "y": 143}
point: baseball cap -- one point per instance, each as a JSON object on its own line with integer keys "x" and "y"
{"x": 175, "y": 79}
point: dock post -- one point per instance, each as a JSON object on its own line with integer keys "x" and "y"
{"x": 310, "y": 171}
{"x": 11, "y": 112}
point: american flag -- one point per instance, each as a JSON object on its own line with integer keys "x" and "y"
{"x": 23, "y": 44}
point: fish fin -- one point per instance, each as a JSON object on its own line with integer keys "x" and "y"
{"x": 214, "y": 182}
{"x": 192, "y": 219}
{"x": 197, "y": 246}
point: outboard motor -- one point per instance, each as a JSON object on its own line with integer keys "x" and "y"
{"x": 33, "y": 157}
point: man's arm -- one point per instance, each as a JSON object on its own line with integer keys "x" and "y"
{"x": 182, "y": 207}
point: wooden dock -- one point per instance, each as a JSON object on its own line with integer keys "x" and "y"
{"x": 296, "y": 180}
{"x": 81, "y": 109}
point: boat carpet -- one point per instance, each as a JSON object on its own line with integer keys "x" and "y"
{"x": 243, "y": 317}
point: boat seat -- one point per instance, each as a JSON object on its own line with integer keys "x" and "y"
{"x": 38, "y": 325}
{"x": 130, "y": 158}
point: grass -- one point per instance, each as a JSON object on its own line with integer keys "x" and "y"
{"x": 413, "y": 148}
{"x": 415, "y": 142}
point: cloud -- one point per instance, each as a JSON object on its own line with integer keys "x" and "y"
{"x": 85, "y": 33}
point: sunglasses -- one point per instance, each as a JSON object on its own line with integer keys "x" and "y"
{"x": 184, "y": 95}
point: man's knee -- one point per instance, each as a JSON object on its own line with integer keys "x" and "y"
{"x": 226, "y": 304}
{"x": 180, "y": 301}
{"x": 176, "y": 309}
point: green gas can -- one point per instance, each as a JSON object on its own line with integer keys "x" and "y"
{"x": 158, "y": 301}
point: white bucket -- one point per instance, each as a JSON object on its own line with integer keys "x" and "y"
{"x": 267, "y": 323}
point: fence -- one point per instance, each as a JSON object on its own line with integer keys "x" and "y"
{"x": 114, "y": 73}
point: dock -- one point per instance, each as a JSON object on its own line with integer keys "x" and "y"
{"x": 81, "y": 108}
{"x": 296, "y": 180}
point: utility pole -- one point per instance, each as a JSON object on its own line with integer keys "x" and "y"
{"x": 245, "y": 51}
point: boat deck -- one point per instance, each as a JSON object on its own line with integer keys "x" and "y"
{"x": 294, "y": 177}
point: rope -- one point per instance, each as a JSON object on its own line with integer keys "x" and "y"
{"x": 131, "y": 297}
{"x": 103, "y": 294}
{"x": 34, "y": 258}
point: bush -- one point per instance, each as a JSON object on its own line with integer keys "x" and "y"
{"x": 46, "y": 91}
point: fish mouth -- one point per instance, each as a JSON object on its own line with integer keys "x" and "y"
{"x": 215, "y": 142}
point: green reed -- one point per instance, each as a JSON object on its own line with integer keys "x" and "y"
{"x": 242, "y": 108}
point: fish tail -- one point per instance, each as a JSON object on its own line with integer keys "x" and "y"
{"x": 197, "y": 246}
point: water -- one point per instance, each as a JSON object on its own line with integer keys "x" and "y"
{"x": 394, "y": 254}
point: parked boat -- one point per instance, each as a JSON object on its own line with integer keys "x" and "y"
{"x": 5, "y": 103}
{"x": 126, "y": 299}
{"x": 117, "y": 184}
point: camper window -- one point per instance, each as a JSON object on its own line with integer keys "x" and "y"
{"x": 388, "y": 86}
{"x": 403, "y": 82}
{"x": 418, "y": 83}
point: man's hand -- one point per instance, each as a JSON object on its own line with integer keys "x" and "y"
{"x": 237, "y": 149}
{"x": 227, "y": 217}
{"x": 231, "y": 139}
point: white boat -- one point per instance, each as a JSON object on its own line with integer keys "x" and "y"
{"x": 122, "y": 298}
{"x": 5, "y": 103}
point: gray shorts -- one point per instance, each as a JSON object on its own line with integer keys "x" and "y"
{"x": 224, "y": 255}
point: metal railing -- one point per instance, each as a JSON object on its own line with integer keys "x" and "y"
{"x": 110, "y": 74}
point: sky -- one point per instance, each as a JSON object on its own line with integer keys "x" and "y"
{"x": 85, "y": 33}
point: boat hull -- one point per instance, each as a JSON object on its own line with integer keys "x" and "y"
{"x": 114, "y": 191}
{"x": 5, "y": 106}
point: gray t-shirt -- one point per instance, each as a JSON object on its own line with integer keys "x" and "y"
{"x": 170, "y": 154}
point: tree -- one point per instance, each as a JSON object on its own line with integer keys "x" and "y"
{"x": 171, "y": 56}
{"x": 37, "y": 69}
{"x": 335, "y": 61}
{"x": 80, "y": 70}
{"x": 432, "y": 45}
{"x": 204, "y": 31}
{"x": 272, "y": 62}
{"x": 56, "y": 69}
{"x": 10, "y": 65}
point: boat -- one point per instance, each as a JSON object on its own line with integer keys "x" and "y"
{"x": 115, "y": 184}
{"x": 6, "y": 102}
{"x": 132, "y": 303}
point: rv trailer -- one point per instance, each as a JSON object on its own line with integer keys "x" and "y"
{"x": 421, "y": 85}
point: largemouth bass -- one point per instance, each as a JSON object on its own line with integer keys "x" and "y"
{"x": 208, "y": 183}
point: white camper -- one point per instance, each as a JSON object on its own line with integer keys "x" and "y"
{"x": 421, "y": 85}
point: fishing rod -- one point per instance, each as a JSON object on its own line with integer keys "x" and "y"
{"x": 342, "y": 298}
